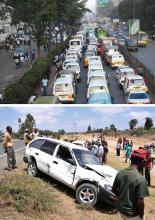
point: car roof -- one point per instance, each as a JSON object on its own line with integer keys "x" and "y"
{"x": 97, "y": 74}
{"x": 134, "y": 77}
{"x": 63, "y": 80}
{"x": 98, "y": 83}
{"x": 67, "y": 144}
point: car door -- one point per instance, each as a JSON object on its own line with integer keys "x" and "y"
{"x": 45, "y": 156}
{"x": 62, "y": 168}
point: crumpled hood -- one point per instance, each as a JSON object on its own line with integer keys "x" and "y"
{"x": 105, "y": 171}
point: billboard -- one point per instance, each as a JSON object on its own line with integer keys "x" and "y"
{"x": 134, "y": 26}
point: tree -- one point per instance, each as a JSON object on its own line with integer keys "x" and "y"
{"x": 132, "y": 124}
{"x": 29, "y": 123}
{"x": 113, "y": 128}
{"x": 89, "y": 129}
{"x": 61, "y": 132}
{"x": 148, "y": 124}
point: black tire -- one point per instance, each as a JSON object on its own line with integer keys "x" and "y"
{"x": 87, "y": 188}
{"x": 32, "y": 169}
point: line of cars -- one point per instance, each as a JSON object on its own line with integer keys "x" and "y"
{"x": 133, "y": 85}
{"x": 65, "y": 86}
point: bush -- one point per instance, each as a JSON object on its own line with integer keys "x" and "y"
{"x": 20, "y": 92}
{"x": 27, "y": 194}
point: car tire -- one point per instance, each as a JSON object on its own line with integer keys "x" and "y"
{"x": 32, "y": 169}
{"x": 92, "y": 196}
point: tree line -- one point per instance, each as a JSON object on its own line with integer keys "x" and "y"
{"x": 139, "y": 9}
{"x": 40, "y": 16}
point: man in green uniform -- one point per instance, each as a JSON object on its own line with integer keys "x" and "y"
{"x": 130, "y": 188}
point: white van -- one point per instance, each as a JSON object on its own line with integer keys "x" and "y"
{"x": 76, "y": 44}
{"x": 134, "y": 83}
{"x": 65, "y": 89}
{"x": 79, "y": 37}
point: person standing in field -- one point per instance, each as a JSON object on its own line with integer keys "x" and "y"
{"x": 130, "y": 188}
{"x": 127, "y": 153}
{"x": 118, "y": 149}
{"x": 35, "y": 133}
{"x": 8, "y": 146}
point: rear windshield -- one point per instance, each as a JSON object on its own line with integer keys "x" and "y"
{"x": 63, "y": 88}
{"x": 138, "y": 96}
{"x": 97, "y": 88}
{"x": 75, "y": 43}
{"x": 137, "y": 82}
{"x": 72, "y": 67}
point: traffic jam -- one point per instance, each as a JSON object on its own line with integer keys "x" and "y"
{"x": 95, "y": 52}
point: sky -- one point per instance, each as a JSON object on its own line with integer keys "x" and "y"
{"x": 60, "y": 117}
{"x": 91, "y": 4}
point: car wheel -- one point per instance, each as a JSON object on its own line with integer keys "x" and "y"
{"x": 87, "y": 194}
{"x": 32, "y": 169}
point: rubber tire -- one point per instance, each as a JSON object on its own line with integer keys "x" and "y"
{"x": 35, "y": 171}
{"x": 93, "y": 187}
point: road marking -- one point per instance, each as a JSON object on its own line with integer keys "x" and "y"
{"x": 4, "y": 155}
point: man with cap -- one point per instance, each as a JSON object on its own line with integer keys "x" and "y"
{"x": 130, "y": 188}
{"x": 27, "y": 136}
{"x": 8, "y": 146}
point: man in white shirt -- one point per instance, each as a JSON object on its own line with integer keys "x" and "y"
{"x": 100, "y": 152}
{"x": 45, "y": 85}
{"x": 35, "y": 133}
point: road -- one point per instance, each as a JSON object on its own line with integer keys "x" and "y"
{"x": 18, "y": 144}
{"x": 146, "y": 56}
{"x": 116, "y": 93}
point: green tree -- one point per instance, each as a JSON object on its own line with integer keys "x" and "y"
{"x": 29, "y": 123}
{"x": 89, "y": 129}
{"x": 132, "y": 124}
{"x": 148, "y": 124}
{"x": 61, "y": 132}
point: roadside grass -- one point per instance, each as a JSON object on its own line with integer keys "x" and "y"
{"x": 27, "y": 195}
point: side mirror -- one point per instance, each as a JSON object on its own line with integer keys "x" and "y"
{"x": 71, "y": 161}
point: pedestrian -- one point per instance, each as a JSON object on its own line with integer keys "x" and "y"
{"x": 118, "y": 149}
{"x": 100, "y": 152}
{"x": 35, "y": 133}
{"x": 148, "y": 167}
{"x": 94, "y": 149}
{"x": 27, "y": 136}
{"x": 22, "y": 59}
{"x": 45, "y": 85}
{"x": 33, "y": 54}
{"x": 130, "y": 188}
{"x": 32, "y": 99}
{"x": 17, "y": 62}
{"x": 9, "y": 149}
{"x": 127, "y": 153}
{"x": 105, "y": 150}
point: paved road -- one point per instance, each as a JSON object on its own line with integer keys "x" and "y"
{"x": 18, "y": 144}
{"x": 116, "y": 93}
{"x": 19, "y": 152}
{"x": 8, "y": 72}
{"x": 147, "y": 56}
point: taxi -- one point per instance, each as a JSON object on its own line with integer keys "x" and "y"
{"x": 117, "y": 59}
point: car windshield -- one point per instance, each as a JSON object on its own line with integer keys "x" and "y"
{"x": 85, "y": 157}
{"x": 138, "y": 96}
{"x": 137, "y": 82}
{"x": 75, "y": 43}
{"x": 72, "y": 67}
{"x": 63, "y": 87}
{"x": 94, "y": 89}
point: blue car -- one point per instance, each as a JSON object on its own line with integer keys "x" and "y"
{"x": 100, "y": 98}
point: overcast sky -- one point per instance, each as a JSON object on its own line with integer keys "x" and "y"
{"x": 60, "y": 117}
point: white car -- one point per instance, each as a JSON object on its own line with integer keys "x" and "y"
{"x": 68, "y": 61}
{"x": 97, "y": 85}
{"x": 74, "y": 67}
{"x": 95, "y": 69}
{"x": 75, "y": 166}
{"x": 123, "y": 73}
{"x": 80, "y": 143}
{"x": 96, "y": 76}
{"x": 138, "y": 97}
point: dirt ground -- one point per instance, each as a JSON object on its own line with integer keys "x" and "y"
{"x": 68, "y": 209}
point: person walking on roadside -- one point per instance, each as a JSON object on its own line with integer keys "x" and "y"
{"x": 130, "y": 188}
{"x": 45, "y": 85}
{"x": 27, "y": 136}
{"x": 127, "y": 153}
{"x": 100, "y": 152}
{"x": 118, "y": 149}
{"x": 8, "y": 146}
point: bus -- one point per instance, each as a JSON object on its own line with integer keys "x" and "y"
{"x": 102, "y": 32}
{"x": 142, "y": 39}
